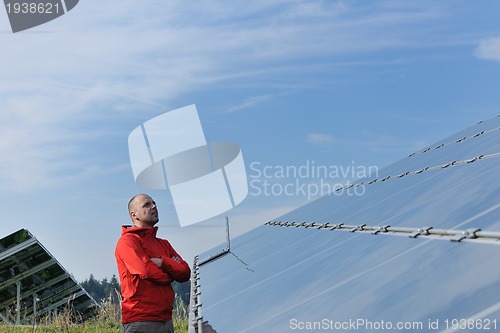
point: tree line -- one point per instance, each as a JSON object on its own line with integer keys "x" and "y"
{"x": 104, "y": 289}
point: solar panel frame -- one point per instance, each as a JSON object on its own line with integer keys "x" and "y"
{"x": 33, "y": 283}
{"x": 276, "y": 274}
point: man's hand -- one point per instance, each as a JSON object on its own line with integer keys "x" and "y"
{"x": 157, "y": 261}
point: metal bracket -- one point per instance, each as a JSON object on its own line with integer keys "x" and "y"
{"x": 422, "y": 231}
{"x": 422, "y": 170}
{"x": 444, "y": 166}
{"x": 380, "y": 229}
{"x": 469, "y": 234}
{"x": 478, "y": 134}
{"x": 358, "y": 228}
{"x": 336, "y": 226}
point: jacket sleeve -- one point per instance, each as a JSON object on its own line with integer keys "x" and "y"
{"x": 179, "y": 271}
{"x": 130, "y": 252}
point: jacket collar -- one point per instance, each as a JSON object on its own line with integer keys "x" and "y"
{"x": 142, "y": 231}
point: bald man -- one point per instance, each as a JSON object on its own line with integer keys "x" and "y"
{"x": 147, "y": 265}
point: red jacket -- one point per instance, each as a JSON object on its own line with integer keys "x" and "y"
{"x": 146, "y": 290}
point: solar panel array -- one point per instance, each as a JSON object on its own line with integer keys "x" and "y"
{"x": 418, "y": 250}
{"x": 33, "y": 284}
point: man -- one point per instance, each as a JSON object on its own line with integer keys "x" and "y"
{"x": 147, "y": 265}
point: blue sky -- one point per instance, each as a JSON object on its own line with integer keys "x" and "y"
{"x": 329, "y": 83}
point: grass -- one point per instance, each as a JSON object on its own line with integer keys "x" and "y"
{"x": 106, "y": 321}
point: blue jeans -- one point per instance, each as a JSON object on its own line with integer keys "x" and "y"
{"x": 148, "y": 327}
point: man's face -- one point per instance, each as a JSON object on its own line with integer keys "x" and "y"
{"x": 145, "y": 211}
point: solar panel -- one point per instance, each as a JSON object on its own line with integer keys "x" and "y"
{"x": 33, "y": 283}
{"x": 418, "y": 250}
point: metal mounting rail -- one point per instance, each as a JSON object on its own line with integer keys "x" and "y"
{"x": 459, "y": 140}
{"x": 469, "y": 235}
{"x": 197, "y": 319}
{"x": 416, "y": 172}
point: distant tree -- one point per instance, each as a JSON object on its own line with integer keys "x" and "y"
{"x": 101, "y": 290}
{"x": 182, "y": 290}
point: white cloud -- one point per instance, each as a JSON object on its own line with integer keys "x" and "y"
{"x": 249, "y": 102}
{"x": 488, "y": 49}
{"x": 125, "y": 63}
{"x": 319, "y": 138}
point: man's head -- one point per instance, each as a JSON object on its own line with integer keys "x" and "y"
{"x": 143, "y": 211}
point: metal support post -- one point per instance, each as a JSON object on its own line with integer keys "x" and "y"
{"x": 34, "y": 308}
{"x": 18, "y": 304}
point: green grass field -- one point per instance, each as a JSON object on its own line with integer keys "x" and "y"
{"x": 107, "y": 321}
{"x": 91, "y": 327}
